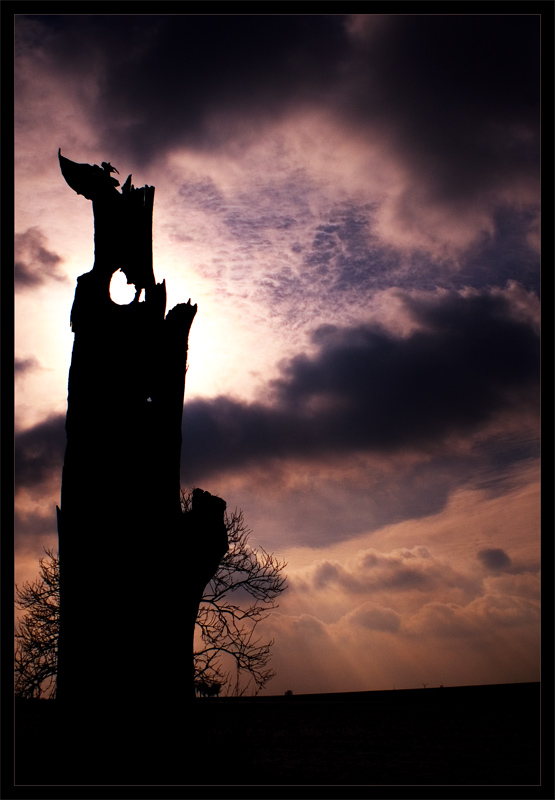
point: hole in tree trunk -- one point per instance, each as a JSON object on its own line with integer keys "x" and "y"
{"x": 121, "y": 292}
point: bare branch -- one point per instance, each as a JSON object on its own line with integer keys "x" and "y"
{"x": 228, "y": 653}
{"x": 228, "y": 617}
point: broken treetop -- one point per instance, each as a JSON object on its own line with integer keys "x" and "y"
{"x": 91, "y": 181}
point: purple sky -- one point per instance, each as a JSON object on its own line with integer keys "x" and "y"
{"x": 353, "y": 202}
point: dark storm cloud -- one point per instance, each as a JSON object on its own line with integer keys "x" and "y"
{"x": 39, "y": 451}
{"x": 506, "y": 252}
{"x": 366, "y": 390}
{"x": 363, "y": 391}
{"x": 456, "y": 97}
{"x": 34, "y": 263}
{"x": 469, "y": 360}
{"x": 162, "y": 76}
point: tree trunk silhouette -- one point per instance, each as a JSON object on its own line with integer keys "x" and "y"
{"x": 124, "y": 577}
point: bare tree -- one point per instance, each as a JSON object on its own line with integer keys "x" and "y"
{"x": 36, "y": 634}
{"x": 228, "y": 653}
{"x": 228, "y": 650}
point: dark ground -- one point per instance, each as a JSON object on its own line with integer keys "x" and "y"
{"x": 465, "y": 736}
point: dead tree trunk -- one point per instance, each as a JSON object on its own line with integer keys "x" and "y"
{"x": 120, "y": 526}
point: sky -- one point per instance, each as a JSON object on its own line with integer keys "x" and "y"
{"x": 353, "y": 203}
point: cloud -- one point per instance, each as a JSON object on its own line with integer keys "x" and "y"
{"x": 403, "y": 641}
{"x": 507, "y": 249}
{"x": 452, "y": 102}
{"x": 526, "y": 584}
{"x": 484, "y": 615}
{"x": 460, "y": 368}
{"x": 22, "y": 366}
{"x": 468, "y": 361}
{"x": 404, "y": 570}
{"x": 34, "y": 264}
{"x": 269, "y": 245}
{"x": 317, "y": 502}
{"x": 39, "y": 451}
{"x": 494, "y": 558}
{"x": 169, "y": 81}
{"x": 34, "y": 527}
{"x": 329, "y": 188}
{"x": 456, "y": 98}
{"x": 374, "y": 617}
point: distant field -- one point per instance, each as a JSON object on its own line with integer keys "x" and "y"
{"x": 481, "y": 736}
